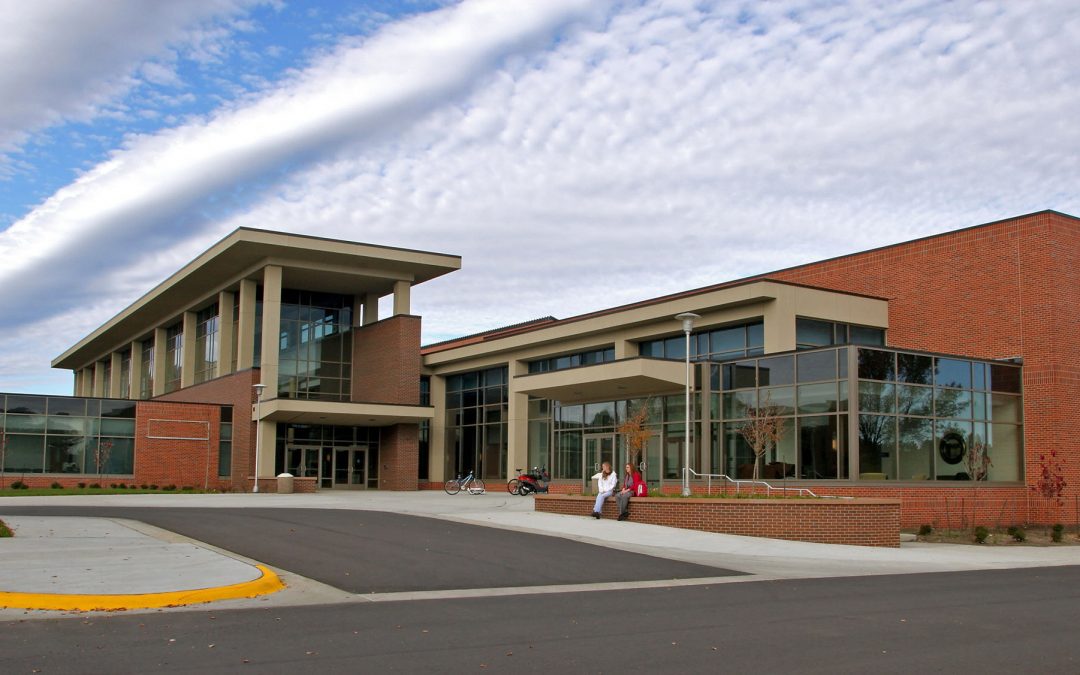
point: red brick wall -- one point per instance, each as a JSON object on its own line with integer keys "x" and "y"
{"x": 165, "y": 450}
{"x": 1005, "y": 289}
{"x": 399, "y": 457}
{"x": 859, "y": 522}
{"x": 238, "y": 391}
{"x": 386, "y": 361}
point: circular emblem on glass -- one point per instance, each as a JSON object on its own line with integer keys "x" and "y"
{"x": 952, "y": 447}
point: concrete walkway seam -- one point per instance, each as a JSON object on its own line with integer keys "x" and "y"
{"x": 268, "y": 582}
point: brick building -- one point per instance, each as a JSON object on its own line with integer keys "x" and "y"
{"x": 892, "y": 370}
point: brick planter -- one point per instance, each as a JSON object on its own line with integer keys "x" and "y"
{"x": 859, "y": 522}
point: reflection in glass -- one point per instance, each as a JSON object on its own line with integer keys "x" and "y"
{"x": 915, "y": 368}
{"x": 1004, "y": 378}
{"x": 952, "y": 446}
{"x": 916, "y": 442}
{"x": 876, "y": 365}
{"x": 817, "y": 398}
{"x": 877, "y": 447}
{"x": 1004, "y": 408}
{"x": 783, "y": 398}
{"x": 911, "y": 400}
{"x": 819, "y": 448}
{"x": 816, "y": 366}
{"x": 25, "y": 453}
{"x": 952, "y": 403}
{"x": 776, "y": 371}
{"x": 876, "y": 397}
{"x": 1006, "y": 452}
{"x": 952, "y": 373}
{"x": 740, "y": 375}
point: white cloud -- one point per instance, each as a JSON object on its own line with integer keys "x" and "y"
{"x": 670, "y": 146}
{"x": 64, "y": 59}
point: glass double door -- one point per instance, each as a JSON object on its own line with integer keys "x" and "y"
{"x": 600, "y": 448}
{"x": 333, "y": 467}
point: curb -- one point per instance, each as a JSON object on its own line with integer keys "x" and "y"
{"x": 267, "y": 583}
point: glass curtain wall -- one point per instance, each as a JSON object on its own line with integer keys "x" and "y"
{"x": 207, "y": 347}
{"x": 146, "y": 376}
{"x": 476, "y": 423}
{"x": 315, "y": 357}
{"x": 125, "y": 374}
{"x": 61, "y": 435}
{"x": 174, "y": 356}
{"x": 744, "y": 339}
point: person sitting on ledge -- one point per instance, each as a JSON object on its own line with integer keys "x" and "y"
{"x": 606, "y": 482}
{"x": 633, "y": 484}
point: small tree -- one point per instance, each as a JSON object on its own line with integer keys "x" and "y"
{"x": 635, "y": 434}
{"x": 762, "y": 430}
{"x": 101, "y": 456}
{"x": 1050, "y": 485}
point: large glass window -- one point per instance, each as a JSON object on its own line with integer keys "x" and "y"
{"x": 125, "y": 374}
{"x": 718, "y": 344}
{"x": 585, "y": 358}
{"x": 174, "y": 356}
{"x": 476, "y": 423}
{"x": 315, "y": 346}
{"x": 59, "y": 434}
{"x": 207, "y": 347}
{"x": 146, "y": 375}
{"x": 814, "y": 333}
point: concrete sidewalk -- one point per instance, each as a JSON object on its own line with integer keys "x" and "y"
{"x": 78, "y": 554}
{"x": 75, "y": 563}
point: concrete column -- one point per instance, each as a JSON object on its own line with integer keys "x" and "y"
{"x": 358, "y": 310}
{"x": 245, "y": 326}
{"x": 187, "y": 369}
{"x": 160, "y": 335}
{"x": 705, "y": 428}
{"x": 226, "y": 331}
{"x": 401, "y": 297}
{"x": 625, "y": 349}
{"x": 371, "y": 309}
{"x": 98, "y": 386}
{"x": 114, "y": 374}
{"x": 268, "y": 446}
{"x": 271, "y": 330}
{"x": 779, "y": 319}
{"x": 517, "y": 426}
{"x": 437, "y": 441}
{"x": 135, "y": 382}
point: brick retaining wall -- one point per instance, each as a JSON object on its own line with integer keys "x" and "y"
{"x": 859, "y": 522}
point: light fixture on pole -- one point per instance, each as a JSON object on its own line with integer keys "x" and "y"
{"x": 688, "y": 319}
{"x": 258, "y": 430}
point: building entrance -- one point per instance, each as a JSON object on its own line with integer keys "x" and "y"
{"x": 600, "y": 448}
{"x": 333, "y": 467}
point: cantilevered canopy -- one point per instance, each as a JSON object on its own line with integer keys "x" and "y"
{"x": 628, "y": 378}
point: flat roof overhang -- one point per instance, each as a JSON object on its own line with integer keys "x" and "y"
{"x": 626, "y": 378}
{"x": 308, "y": 263}
{"x": 343, "y": 414}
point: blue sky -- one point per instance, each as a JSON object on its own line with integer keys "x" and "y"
{"x": 576, "y": 153}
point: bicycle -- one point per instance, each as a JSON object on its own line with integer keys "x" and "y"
{"x": 470, "y": 483}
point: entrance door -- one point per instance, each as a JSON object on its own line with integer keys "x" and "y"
{"x": 350, "y": 468}
{"x": 599, "y": 448}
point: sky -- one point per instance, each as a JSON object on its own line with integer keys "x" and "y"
{"x": 578, "y": 154}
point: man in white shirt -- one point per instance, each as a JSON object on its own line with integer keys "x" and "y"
{"x": 606, "y": 482}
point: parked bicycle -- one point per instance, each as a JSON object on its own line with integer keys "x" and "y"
{"x": 471, "y": 484}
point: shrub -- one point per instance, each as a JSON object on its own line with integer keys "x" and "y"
{"x": 925, "y": 530}
{"x": 19, "y": 485}
{"x": 82, "y": 486}
{"x": 153, "y": 486}
{"x": 981, "y": 533}
{"x": 1017, "y": 533}
{"x": 122, "y": 486}
{"x": 95, "y": 486}
{"x": 112, "y": 485}
{"x": 169, "y": 488}
{"x": 144, "y": 486}
{"x": 1056, "y": 532}
{"x": 187, "y": 488}
{"x": 56, "y": 486}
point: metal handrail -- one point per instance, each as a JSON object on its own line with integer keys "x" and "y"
{"x": 768, "y": 487}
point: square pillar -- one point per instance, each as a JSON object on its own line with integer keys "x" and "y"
{"x": 245, "y": 326}
{"x": 398, "y": 457}
{"x": 267, "y": 447}
{"x": 371, "y": 308}
{"x": 114, "y": 374}
{"x": 160, "y": 335}
{"x": 437, "y": 440}
{"x": 226, "y": 331}
{"x": 517, "y": 426}
{"x": 271, "y": 330}
{"x": 98, "y": 385}
{"x": 187, "y": 340}
{"x": 401, "y": 297}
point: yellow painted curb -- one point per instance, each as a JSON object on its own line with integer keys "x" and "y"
{"x": 267, "y": 583}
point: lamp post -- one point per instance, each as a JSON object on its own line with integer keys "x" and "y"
{"x": 258, "y": 430}
{"x": 688, "y": 319}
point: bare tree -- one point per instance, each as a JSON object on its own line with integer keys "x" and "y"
{"x": 977, "y": 461}
{"x": 101, "y": 456}
{"x": 635, "y": 433}
{"x": 762, "y": 430}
